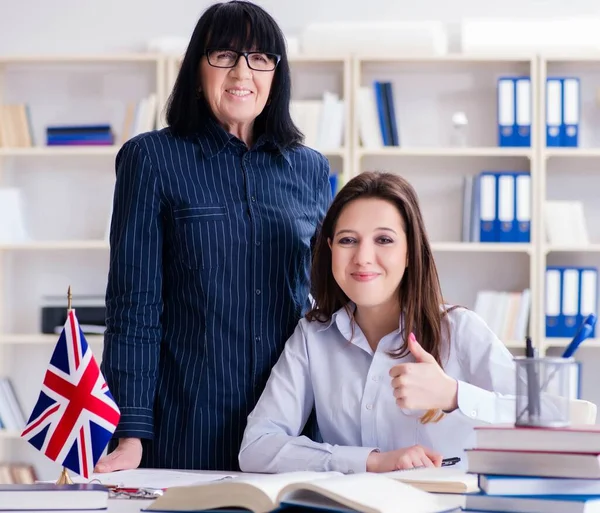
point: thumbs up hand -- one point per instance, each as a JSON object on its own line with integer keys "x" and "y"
{"x": 423, "y": 385}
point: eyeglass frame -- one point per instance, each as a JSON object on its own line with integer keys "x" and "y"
{"x": 241, "y": 54}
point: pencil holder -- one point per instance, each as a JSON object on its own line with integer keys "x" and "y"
{"x": 544, "y": 390}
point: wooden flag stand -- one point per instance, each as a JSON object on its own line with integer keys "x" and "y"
{"x": 64, "y": 478}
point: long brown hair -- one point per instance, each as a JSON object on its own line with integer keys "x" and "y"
{"x": 420, "y": 293}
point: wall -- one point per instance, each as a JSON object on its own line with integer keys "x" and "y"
{"x": 70, "y": 26}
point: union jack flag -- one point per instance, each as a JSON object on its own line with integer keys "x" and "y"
{"x": 75, "y": 415}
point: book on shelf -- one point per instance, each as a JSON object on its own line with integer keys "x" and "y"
{"x": 17, "y": 473}
{"x": 52, "y": 497}
{"x": 564, "y": 223}
{"x": 505, "y": 313}
{"x": 12, "y": 227}
{"x": 365, "y": 492}
{"x": 377, "y": 120}
{"x": 15, "y": 126}
{"x": 79, "y": 135}
{"x": 12, "y": 417}
{"x": 321, "y": 121}
{"x": 139, "y": 117}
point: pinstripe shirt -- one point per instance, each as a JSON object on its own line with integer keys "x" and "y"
{"x": 209, "y": 274}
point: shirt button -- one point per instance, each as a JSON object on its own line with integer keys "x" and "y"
{"x": 473, "y": 413}
{"x": 369, "y": 406}
{"x": 375, "y": 378}
{"x": 253, "y": 198}
{"x": 350, "y": 471}
{"x": 257, "y": 339}
{"x": 258, "y": 243}
{"x": 258, "y": 292}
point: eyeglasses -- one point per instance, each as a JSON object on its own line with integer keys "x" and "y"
{"x": 258, "y": 61}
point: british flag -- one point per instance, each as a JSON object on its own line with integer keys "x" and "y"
{"x": 75, "y": 415}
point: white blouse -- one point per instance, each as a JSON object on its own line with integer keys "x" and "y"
{"x": 349, "y": 385}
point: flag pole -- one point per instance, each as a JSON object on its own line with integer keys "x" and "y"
{"x": 64, "y": 478}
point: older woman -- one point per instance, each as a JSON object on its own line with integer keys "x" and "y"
{"x": 210, "y": 248}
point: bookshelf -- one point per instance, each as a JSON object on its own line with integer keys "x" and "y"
{"x": 68, "y": 222}
{"x": 427, "y": 91}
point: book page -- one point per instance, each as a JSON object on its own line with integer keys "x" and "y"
{"x": 365, "y": 492}
{"x": 444, "y": 477}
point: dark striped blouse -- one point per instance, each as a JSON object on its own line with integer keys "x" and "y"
{"x": 209, "y": 274}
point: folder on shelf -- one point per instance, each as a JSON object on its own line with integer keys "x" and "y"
{"x": 570, "y": 302}
{"x": 554, "y": 117}
{"x": 382, "y": 112}
{"x": 506, "y": 112}
{"x": 523, "y": 111}
{"x": 507, "y": 223}
{"x": 553, "y": 301}
{"x": 488, "y": 217}
{"x": 523, "y": 207}
{"x": 571, "y": 111}
{"x": 588, "y": 294}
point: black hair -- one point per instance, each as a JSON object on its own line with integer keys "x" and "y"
{"x": 240, "y": 25}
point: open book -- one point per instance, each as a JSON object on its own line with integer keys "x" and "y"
{"x": 438, "y": 479}
{"x": 365, "y": 492}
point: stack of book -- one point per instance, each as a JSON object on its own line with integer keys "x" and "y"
{"x": 536, "y": 469}
{"x": 79, "y": 135}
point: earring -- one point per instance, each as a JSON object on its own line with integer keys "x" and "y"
{"x": 199, "y": 93}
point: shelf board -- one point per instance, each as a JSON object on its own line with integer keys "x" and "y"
{"x": 5, "y": 433}
{"x": 590, "y": 248}
{"x": 55, "y": 245}
{"x": 311, "y": 58}
{"x": 473, "y": 58}
{"x": 40, "y": 338}
{"x": 61, "y": 151}
{"x": 564, "y": 342}
{"x": 478, "y": 247}
{"x": 445, "y": 152}
{"x": 572, "y": 152}
{"x": 80, "y": 59}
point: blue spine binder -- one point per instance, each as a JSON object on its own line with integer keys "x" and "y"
{"x": 588, "y": 295}
{"x": 569, "y": 136}
{"x": 391, "y": 111}
{"x": 554, "y": 100}
{"x": 381, "y": 113}
{"x": 570, "y": 302}
{"x": 553, "y": 301}
{"x": 506, "y": 112}
{"x": 523, "y": 111}
{"x": 507, "y": 225}
{"x": 488, "y": 209}
{"x": 523, "y": 206}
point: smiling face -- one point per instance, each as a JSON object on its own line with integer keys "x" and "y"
{"x": 369, "y": 252}
{"x": 236, "y": 96}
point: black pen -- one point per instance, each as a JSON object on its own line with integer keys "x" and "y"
{"x": 447, "y": 462}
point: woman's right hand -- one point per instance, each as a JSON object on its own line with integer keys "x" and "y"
{"x": 127, "y": 455}
{"x": 402, "y": 459}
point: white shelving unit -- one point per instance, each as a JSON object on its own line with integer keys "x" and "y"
{"x": 67, "y": 194}
{"x": 427, "y": 91}
{"x": 572, "y": 174}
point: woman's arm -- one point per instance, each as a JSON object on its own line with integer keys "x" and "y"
{"x": 487, "y": 395}
{"x": 134, "y": 292}
{"x": 271, "y": 441}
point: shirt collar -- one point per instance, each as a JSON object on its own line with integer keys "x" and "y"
{"x": 213, "y": 138}
{"x": 343, "y": 320}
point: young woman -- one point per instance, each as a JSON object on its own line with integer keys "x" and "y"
{"x": 398, "y": 379}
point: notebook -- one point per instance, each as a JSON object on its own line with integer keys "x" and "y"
{"x": 364, "y": 492}
{"x": 437, "y": 480}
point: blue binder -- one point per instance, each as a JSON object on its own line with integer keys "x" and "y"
{"x": 588, "y": 295}
{"x": 569, "y": 309}
{"x": 571, "y": 111}
{"x": 554, "y": 100}
{"x": 523, "y": 111}
{"x": 507, "y": 223}
{"x": 488, "y": 207}
{"x": 506, "y": 112}
{"x": 523, "y": 207}
{"x": 553, "y": 301}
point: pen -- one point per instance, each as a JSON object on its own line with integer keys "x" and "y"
{"x": 447, "y": 462}
{"x": 533, "y": 400}
{"x": 584, "y": 331}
